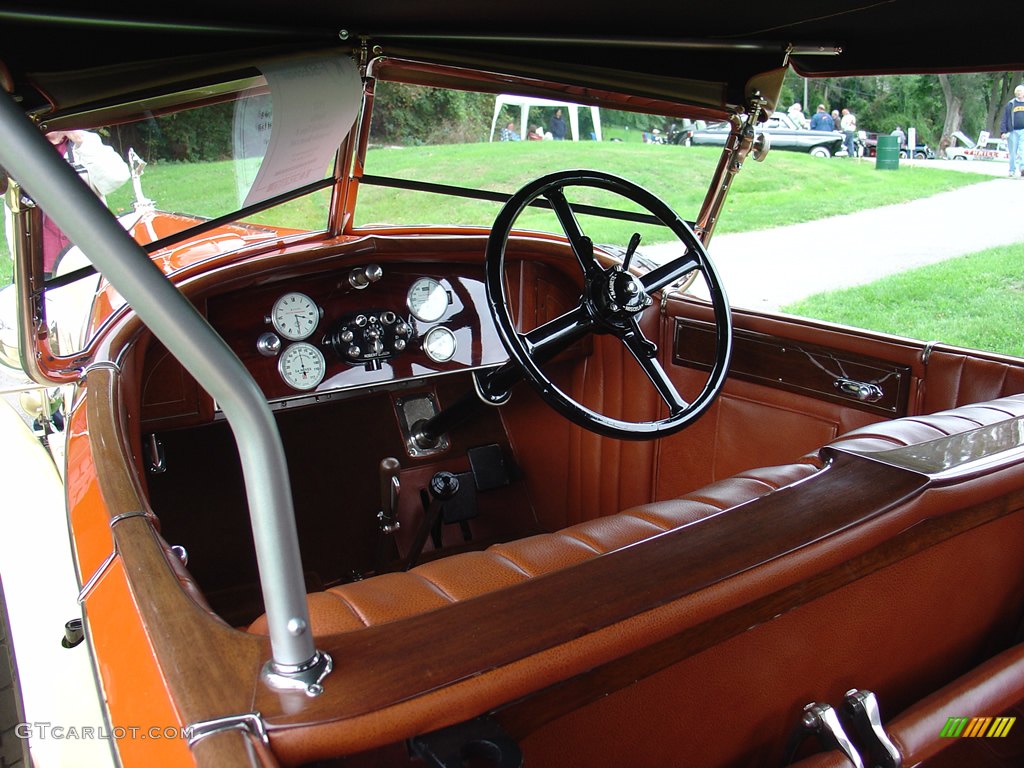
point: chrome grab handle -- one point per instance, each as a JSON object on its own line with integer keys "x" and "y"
{"x": 865, "y": 391}
{"x": 821, "y": 720}
{"x": 862, "y": 708}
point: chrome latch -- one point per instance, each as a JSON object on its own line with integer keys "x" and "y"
{"x": 157, "y": 461}
{"x": 865, "y": 391}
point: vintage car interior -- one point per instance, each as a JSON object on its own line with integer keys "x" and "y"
{"x": 538, "y": 499}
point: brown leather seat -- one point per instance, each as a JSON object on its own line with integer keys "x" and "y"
{"x": 394, "y": 596}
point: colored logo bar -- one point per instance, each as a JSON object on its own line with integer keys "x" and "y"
{"x": 973, "y": 727}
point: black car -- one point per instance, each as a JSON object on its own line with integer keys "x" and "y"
{"x": 784, "y": 135}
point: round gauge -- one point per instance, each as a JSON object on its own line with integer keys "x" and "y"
{"x": 427, "y": 300}
{"x": 439, "y": 344}
{"x": 295, "y": 316}
{"x": 302, "y": 366}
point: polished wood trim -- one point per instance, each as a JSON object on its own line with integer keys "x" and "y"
{"x": 209, "y": 667}
{"x": 523, "y": 717}
{"x": 550, "y": 610}
{"x": 807, "y": 369}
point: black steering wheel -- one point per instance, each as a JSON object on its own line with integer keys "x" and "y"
{"x": 612, "y": 302}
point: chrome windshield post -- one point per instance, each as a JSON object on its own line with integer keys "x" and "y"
{"x": 53, "y": 184}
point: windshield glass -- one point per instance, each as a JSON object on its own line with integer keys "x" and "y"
{"x": 446, "y": 157}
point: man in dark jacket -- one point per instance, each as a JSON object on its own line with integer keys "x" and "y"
{"x": 557, "y": 126}
{"x": 1012, "y": 129}
{"x": 822, "y": 120}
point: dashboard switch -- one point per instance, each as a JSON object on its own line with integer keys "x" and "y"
{"x": 369, "y": 337}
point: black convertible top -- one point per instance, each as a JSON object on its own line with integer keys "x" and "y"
{"x": 649, "y": 45}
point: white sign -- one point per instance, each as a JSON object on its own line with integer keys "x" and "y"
{"x": 312, "y": 105}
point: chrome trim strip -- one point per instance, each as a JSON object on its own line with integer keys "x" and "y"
{"x": 95, "y": 578}
{"x": 99, "y": 365}
{"x": 125, "y": 515}
{"x": 249, "y": 721}
{"x": 357, "y": 390}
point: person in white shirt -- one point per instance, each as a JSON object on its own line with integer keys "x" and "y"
{"x": 848, "y": 124}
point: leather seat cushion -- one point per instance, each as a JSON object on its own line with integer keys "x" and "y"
{"x": 394, "y": 596}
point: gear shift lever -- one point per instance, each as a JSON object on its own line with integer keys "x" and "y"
{"x": 390, "y": 486}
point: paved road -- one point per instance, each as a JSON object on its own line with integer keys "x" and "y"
{"x": 770, "y": 268}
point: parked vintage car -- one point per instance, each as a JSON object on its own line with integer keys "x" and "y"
{"x": 987, "y": 147}
{"x": 367, "y": 465}
{"x": 783, "y": 132}
{"x": 920, "y": 151}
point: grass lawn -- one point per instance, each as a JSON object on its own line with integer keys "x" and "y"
{"x": 974, "y": 301}
{"x": 787, "y": 188}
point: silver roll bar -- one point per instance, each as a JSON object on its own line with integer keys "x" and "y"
{"x": 54, "y": 185}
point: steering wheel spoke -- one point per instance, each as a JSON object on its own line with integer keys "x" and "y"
{"x": 646, "y": 354}
{"x": 555, "y": 335}
{"x": 582, "y": 245}
{"x": 669, "y": 273}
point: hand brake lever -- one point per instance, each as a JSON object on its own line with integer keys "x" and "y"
{"x": 390, "y": 487}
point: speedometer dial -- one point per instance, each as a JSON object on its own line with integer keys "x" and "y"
{"x": 427, "y": 300}
{"x": 302, "y": 366}
{"x": 439, "y": 344}
{"x": 295, "y": 316}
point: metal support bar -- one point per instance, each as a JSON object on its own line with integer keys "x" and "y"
{"x": 52, "y": 183}
{"x": 655, "y": 43}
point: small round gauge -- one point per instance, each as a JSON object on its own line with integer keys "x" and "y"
{"x": 302, "y": 366}
{"x": 439, "y": 344}
{"x": 295, "y": 316}
{"x": 427, "y": 300}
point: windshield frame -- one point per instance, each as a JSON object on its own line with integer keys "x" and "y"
{"x": 40, "y": 358}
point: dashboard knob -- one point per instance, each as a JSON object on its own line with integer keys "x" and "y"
{"x": 354, "y": 351}
{"x": 347, "y": 335}
{"x": 399, "y": 344}
{"x": 388, "y": 317}
{"x": 361, "y": 321}
{"x": 360, "y": 277}
{"x": 268, "y": 344}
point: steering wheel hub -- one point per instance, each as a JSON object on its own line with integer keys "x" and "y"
{"x": 623, "y": 294}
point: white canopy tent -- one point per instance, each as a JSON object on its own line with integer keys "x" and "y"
{"x": 525, "y": 102}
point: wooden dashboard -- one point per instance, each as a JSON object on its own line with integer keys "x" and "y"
{"x": 375, "y": 326}
{"x": 393, "y": 312}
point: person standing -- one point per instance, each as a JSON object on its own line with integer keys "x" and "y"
{"x": 899, "y": 134}
{"x": 556, "y": 125}
{"x": 98, "y": 165}
{"x": 822, "y": 120}
{"x": 1012, "y": 129}
{"x": 796, "y": 114}
{"x": 848, "y": 124}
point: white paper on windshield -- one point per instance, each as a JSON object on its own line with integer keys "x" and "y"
{"x": 312, "y": 106}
